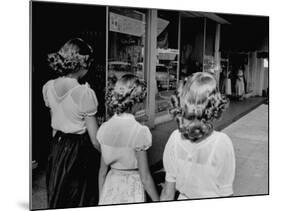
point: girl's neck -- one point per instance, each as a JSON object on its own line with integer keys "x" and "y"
{"x": 72, "y": 76}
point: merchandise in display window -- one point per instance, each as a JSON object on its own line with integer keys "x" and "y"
{"x": 167, "y": 58}
{"x": 126, "y": 44}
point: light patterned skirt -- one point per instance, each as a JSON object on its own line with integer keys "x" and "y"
{"x": 122, "y": 187}
{"x": 240, "y": 87}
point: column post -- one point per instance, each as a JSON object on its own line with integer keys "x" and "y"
{"x": 217, "y": 53}
{"x": 150, "y": 63}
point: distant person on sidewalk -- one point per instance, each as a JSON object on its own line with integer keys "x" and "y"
{"x": 73, "y": 162}
{"x": 240, "y": 85}
{"x": 199, "y": 162}
{"x": 124, "y": 142}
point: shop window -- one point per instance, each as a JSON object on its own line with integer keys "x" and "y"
{"x": 126, "y": 44}
{"x": 191, "y": 45}
{"x": 210, "y": 35}
{"x": 167, "y": 58}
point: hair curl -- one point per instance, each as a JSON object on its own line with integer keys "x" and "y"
{"x": 72, "y": 56}
{"x": 196, "y": 104}
{"x": 122, "y": 94}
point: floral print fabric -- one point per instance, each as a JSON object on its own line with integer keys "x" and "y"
{"x": 122, "y": 186}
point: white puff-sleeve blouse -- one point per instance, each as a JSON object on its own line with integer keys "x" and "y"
{"x": 120, "y": 137}
{"x": 200, "y": 170}
{"x": 68, "y": 112}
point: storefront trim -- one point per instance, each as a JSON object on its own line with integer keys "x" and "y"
{"x": 106, "y": 55}
{"x": 150, "y": 64}
{"x": 179, "y": 48}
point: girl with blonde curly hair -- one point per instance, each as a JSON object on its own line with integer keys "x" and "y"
{"x": 199, "y": 161}
{"x": 73, "y": 162}
{"x": 124, "y": 143}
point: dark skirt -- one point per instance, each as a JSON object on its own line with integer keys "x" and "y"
{"x": 72, "y": 172}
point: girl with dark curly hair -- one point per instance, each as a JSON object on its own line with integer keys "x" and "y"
{"x": 199, "y": 161}
{"x": 124, "y": 142}
{"x": 73, "y": 162}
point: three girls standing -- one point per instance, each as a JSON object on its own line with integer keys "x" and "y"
{"x": 199, "y": 162}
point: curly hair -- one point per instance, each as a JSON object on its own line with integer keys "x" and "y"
{"x": 72, "y": 56}
{"x": 196, "y": 105}
{"x": 122, "y": 94}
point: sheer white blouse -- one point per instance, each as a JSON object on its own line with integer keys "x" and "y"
{"x": 120, "y": 137}
{"x": 200, "y": 170}
{"x": 68, "y": 111}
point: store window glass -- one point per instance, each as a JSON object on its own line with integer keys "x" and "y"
{"x": 126, "y": 44}
{"x": 167, "y": 58}
{"x": 191, "y": 45}
{"x": 210, "y": 36}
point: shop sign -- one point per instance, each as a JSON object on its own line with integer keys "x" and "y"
{"x": 126, "y": 25}
{"x": 128, "y": 41}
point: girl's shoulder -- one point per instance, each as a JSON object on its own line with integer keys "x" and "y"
{"x": 222, "y": 140}
{"x": 48, "y": 84}
{"x": 103, "y": 125}
{"x": 45, "y": 89}
{"x": 175, "y": 137}
{"x": 85, "y": 93}
{"x": 83, "y": 88}
{"x": 221, "y": 136}
{"x": 143, "y": 129}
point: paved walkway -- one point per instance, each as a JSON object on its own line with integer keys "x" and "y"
{"x": 250, "y": 140}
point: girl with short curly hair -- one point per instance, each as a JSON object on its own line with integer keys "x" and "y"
{"x": 73, "y": 162}
{"x": 124, "y": 142}
{"x": 199, "y": 161}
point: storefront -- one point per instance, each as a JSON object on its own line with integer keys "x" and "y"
{"x": 161, "y": 47}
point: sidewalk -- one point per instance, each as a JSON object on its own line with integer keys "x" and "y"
{"x": 251, "y": 167}
{"x": 249, "y": 136}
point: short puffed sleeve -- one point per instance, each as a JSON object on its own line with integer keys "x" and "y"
{"x": 224, "y": 163}
{"x": 143, "y": 139}
{"x": 89, "y": 102}
{"x": 169, "y": 159}
{"x": 44, "y": 92}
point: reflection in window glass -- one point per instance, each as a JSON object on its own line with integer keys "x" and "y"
{"x": 192, "y": 44}
{"x": 126, "y": 44}
{"x": 209, "y": 57}
{"x": 167, "y": 58}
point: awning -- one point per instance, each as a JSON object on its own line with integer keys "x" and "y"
{"x": 209, "y": 15}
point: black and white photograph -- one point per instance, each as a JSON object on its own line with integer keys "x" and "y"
{"x": 137, "y": 105}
